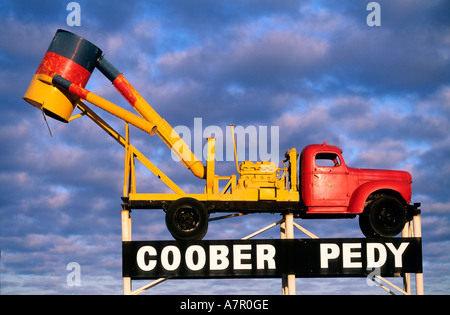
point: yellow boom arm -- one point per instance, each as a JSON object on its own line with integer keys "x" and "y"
{"x": 164, "y": 130}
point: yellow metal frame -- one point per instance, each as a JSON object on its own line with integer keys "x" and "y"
{"x": 129, "y": 187}
{"x": 259, "y": 181}
{"x": 230, "y": 192}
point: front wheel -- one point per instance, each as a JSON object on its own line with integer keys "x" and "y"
{"x": 187, "y": 219}
{"x": 385, "y": 217}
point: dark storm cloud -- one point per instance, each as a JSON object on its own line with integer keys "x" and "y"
{"x": 34, "y": 11}
{"x": 282, "y": 57}
{"x": 208, "y": 17}
{"x": 435, "y": 161}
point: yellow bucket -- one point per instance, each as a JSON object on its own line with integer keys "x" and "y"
{"x": 70, "y": 56}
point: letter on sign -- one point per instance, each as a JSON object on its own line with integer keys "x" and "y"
{"x": 327, "y": 252}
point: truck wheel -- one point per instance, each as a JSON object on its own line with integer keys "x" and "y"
{"x": 364, "y": 224}
{"x": 187, "y": 219}
{"x": 385, "y": 217}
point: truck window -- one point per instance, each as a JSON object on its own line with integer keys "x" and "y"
{"x": 327, "y": 160}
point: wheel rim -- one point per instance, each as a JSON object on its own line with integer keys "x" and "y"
{"x": 187, "y": 219}
{"x": 387, "y": 217}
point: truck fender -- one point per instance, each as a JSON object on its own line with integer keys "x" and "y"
{"x": 360, "y": 195}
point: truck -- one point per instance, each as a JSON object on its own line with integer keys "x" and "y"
{"x": 317, "y": 184}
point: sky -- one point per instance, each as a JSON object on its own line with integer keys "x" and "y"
{"x": 314, "y": 69}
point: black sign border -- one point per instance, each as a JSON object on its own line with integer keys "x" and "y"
{"x": 297, "y": 256}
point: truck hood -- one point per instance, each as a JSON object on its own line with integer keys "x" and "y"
{"x": 366, "y": 175}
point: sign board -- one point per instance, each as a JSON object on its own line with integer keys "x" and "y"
{"x": 342, "y": 257}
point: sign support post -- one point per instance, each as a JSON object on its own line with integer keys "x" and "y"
{"x": 286, "y": 258}
{"x": 413, "y": 228}
{"x": 126, "y": 236}
{"x": 287, "y": 232}
{"x": 418, "y": 233}
{"x": 406, "y": 232}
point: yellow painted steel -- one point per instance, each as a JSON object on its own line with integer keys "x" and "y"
{"x": 132, "y": 151}
{"x": 166, "y": 133}
{"x": 292, "y": 157}
{"x": 256, "y": 181}
{"x": 210, "y": 167}
{"x": 48, "y": 98}
{"x": 234, "y": 146}
{"x": 94, "y": 99}
{"x": 121, "y": 113}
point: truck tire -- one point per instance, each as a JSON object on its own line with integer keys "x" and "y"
{"x": 187, "y": 219}
{"x": 364, "y": 224}
{"x": 385, "y": 217}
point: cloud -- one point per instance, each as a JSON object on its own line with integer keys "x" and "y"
{"x": 431, "y": 162}
{"x": 248, "y": 59}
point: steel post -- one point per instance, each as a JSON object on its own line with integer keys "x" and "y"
{"x": 287, "y": 232}
{"x": 126, "y": 236}
{"x": 417, "y": 221}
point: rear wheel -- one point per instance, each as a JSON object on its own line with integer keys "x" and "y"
{"x": 385, "y": 217}
{"x": 187, "y": 219}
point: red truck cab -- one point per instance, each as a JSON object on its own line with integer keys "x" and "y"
{"x": 330, "y": 188}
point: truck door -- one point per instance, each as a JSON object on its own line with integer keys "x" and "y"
{"x": 329, "y": 181}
